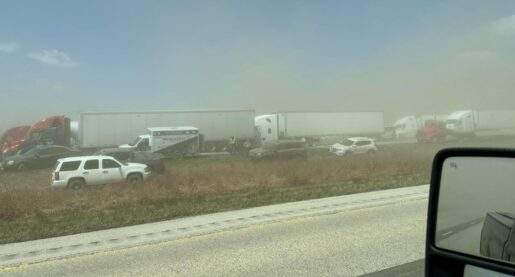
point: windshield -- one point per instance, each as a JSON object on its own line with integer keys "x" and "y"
{"x": 135, "y": 141}
{"x": 347, "y": 142}
{"x": 267, "y": 126}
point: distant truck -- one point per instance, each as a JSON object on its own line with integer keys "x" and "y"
{"x": 52, "y": 130}
{"x": 463, "y": 124}
{"x": 432, "y": 131}
{"x": 311, "y": 126}
{"x": 108, "y": 129}
{"x": 410, "y": 127}
{"x": 12, "y": 138}
{"x": 169, "y": 141}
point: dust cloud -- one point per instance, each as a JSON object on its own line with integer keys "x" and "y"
{"x": 211, "y": 55}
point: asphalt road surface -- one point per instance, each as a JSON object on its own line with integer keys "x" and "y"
{"x": 348, "y": 243}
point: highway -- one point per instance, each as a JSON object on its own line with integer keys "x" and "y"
{"x": 372, "y": 235}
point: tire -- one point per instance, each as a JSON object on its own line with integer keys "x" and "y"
{"x": 346, "y": 154}
{"x": 22, "y": 166}
{"x": 76, "y": 184}
{"x": 371, "y": 152}
{"x": 134, "y": 179}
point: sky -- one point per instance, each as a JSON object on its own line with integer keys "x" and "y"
{"x": 400, "y": 57}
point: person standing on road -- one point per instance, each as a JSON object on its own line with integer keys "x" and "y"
{"x": 231, "y": 146}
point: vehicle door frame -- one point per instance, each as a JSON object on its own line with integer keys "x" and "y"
{"x": 92, "y": 176}
{"x": 112, "y": 174}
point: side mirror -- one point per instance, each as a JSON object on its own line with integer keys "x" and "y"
{"x": 471, "y": 214}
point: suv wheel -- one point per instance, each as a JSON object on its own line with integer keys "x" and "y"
{"x": 134, "y": 179}
{"x": 371, "y": 152}
{"x": 22, "y": 166}
{"x": 76, "y": 184}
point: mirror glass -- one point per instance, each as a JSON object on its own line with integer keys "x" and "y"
{"x": 476, "y": 207}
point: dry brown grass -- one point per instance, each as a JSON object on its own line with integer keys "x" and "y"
{"x": 212, "y": 177}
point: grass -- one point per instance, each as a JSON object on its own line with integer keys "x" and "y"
{"x": 30, "y": 209}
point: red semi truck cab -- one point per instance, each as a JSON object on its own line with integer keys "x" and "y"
{"x": 50, "y": 130}
{"x": 433, "y": 130}
{"x": 13, "y": 137}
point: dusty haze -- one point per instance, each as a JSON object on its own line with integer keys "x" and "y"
{"x": 399, "y": 58}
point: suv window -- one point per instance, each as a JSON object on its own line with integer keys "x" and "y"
{"x": 91, "y": 164}
{"x": 108, "y": 163}
{"x": 70, "y": 166}
{"x": 363, "y": 142}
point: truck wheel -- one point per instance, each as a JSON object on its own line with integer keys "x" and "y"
{"x": 76, "y": 184}
{"x": 134, "y": 179}
{"x": 346, "y": 154}
{"x": 22, "y": 166}
{"x": 371, "y": 152}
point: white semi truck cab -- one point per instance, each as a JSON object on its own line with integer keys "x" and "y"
{"x": 170, "y": 141}
{"x": 461, "y": 123}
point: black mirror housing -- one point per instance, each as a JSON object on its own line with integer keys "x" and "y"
{"x": 443, "y": 262}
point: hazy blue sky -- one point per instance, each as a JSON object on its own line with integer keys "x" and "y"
{"x": 63, "y": 57}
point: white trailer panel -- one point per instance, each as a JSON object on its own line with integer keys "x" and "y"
{"x": 306, "y": 124}
{"x": 494, "y": 120}
{"x": 100, "y": 129}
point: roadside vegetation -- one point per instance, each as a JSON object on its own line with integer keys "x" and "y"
{"x": 30, "y": 209}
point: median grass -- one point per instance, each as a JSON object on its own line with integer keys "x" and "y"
{"x": 30, "y": 209}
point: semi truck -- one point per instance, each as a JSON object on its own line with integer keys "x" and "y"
{"x": 410, "y": 127}
{"x": 49, "y": 130}
{"x": 12, "y": 138}
{"x": 216, "y": 127}
{"x": 312, "y": 126}
{"x": 471, "y": 122}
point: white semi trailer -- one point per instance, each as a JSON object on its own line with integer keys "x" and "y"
{"x": 489, "y": 122}
{"x": 314, "y": 125}
{"x": 107, "y": 129}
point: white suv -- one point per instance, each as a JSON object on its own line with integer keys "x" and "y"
{"x": 77, "y": 172}
{"x": 356, "y": 145}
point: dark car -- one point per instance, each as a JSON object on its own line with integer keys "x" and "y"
{"x": 41, "y": 156}
{"x": 279, "y": 150}
{"x": 155, "y": 161}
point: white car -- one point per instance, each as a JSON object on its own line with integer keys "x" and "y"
{"x": 77, "y": 172}
{"x": 355, "y": 145}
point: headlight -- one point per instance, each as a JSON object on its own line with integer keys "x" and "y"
{"x": 10, "y": 162}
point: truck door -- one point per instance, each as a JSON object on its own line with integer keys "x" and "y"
{"x": 144, "y": 145}
{"x": 111, "y": 172}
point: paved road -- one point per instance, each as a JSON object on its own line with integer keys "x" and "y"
{"x": 347, "y": 243}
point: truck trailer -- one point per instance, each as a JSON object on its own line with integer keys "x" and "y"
{"x": 471, "y": 122}
{"x": 108, "y": 129}
{"x": 314, "y": 125}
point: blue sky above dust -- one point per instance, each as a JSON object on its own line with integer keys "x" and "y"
{"x": 63, "y": 57}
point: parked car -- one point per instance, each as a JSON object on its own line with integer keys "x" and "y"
{"x": 155, "y": 161}
{"x": 77, "y": 172}
{"x": 279, "y": 150}
{"x": 41, "y": 156}
{"x": 354, "y": 145}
